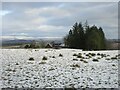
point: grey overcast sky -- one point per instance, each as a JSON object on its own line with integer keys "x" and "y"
{"x": 27, "y": 20}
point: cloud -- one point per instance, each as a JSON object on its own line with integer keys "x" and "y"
{"x": 48, "y": 12}
{"x": 46, "y": 28}
{"x": 19, "y": 34}
{"x": 27, "y": 38}
{"x": 46, "y": 19}
{"x": 15, "y": 37}
{"x": 3, "y": 13}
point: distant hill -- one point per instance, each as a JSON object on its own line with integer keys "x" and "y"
{"x": 23, "y": 41}
{"x": 113, "y": 44}
{"x": 14, "y": 42}
{"x": 114, "y": 40}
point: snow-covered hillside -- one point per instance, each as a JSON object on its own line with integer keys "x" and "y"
{"x": 58, "y": 68}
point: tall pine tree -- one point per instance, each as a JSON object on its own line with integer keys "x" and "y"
{"x": 90, "y": 38}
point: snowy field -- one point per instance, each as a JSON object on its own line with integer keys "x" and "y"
{"x": 59, "y": 68}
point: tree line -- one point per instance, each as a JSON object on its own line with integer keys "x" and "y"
{"x": 85, "y": 37}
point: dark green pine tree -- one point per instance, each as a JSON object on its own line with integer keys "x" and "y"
{"x": 103, "y": 39}
{"x": 81, "y": 37}
{"x": 95, "y": 39}
{"x": 69, "y": 39}
{"x": 90, "y": 38}
{"x": 75, "y": 36}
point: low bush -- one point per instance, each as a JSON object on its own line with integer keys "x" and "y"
{"x": 98, "y": 54}
{"x": 42, "y": 62}
{"x": 90, "y": 54}
{"x": 75, "y": 59}
{"x": 17, "y": 64}
{"x": 93, "y": 54}
{"x": 14, "y": 70}
{"x": 27, "y": 46}
{"x": 113, "y": 57}
{"x": 113, "y": 65}
{"x": 44, "y": 58}
{"x": 79, "y": 56}
{"x": 85, "y": 61}
{"x": 81, "y": 60}
{"x": 95, "y": 60}
{"x": 98, "y": 58}
{"x": 79, "y": 53}
{"x": 51, "y": 69}
{"x": 75, "y": 65}
{"x": 74, "y": 54}
{"x": 103, "y": 55}
{"x": 87, "y": 55}
{"x": 53, "y": 56}
{"x": 60, "y": 55}
{"x": 8, "y": 69}
{"x": 31, "y": 59}
{"x": 107, "y": 58}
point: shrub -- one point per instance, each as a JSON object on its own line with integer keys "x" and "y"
{"x": 51, "y": 69}
{"x": 107, "y": 58}
{"x": 85, "y": 61}
{"x": 74, "y": 54}
{"x": 87, "y": 55}
{"x": 113, "y": 57}
{"x": 42, "y": 62}
{"x": 53, "y": 56}
{"x": 113, "y": 65}
{"x": 98, "y": 54}
{"x": 31, "y": 59}
{"x": 83, "y": 57}
{"x": 44, "y": 58}
{"x": 95, "y": 60}
{"x": 103, "y": 55}
{"x": 98, "y": 58}
{"x": 27, "y": 46}
{"x": 93, "y": 54}
{"x": 8, "y": 69}
{"x": 14, "y": 70}
{"x": 79, "y": 56}
{"x": 81, "y": 60}
{"x": 79, "y": 53}
{"x": 75, "y": 59}
{"x": 17, "y": 64}
{"x": 60, "y": 55}
{"x": 75, "y": 65}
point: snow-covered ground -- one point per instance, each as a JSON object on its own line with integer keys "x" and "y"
{"x": 59, "y": 68}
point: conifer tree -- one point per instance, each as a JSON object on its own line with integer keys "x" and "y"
{"x": 90, "y": 38}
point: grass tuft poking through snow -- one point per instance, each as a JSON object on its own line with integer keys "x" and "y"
{"x": 31, "y": 59}
{"x": 42, "y": 63}
{"x": 113, "y": 57}
{"x": 75, "y": 59}
{"x": 75, "y": 65}
{"x": 74, "y": 54}
{"x": 95, "y": 60}
{"x": 79, "y": 56}
{"x": 59, "y": 68}
{"x": 60, "y": 55}
{"x": 44, "y": 58}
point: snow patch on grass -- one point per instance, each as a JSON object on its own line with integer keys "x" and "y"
{"x": 60, "y": 68}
